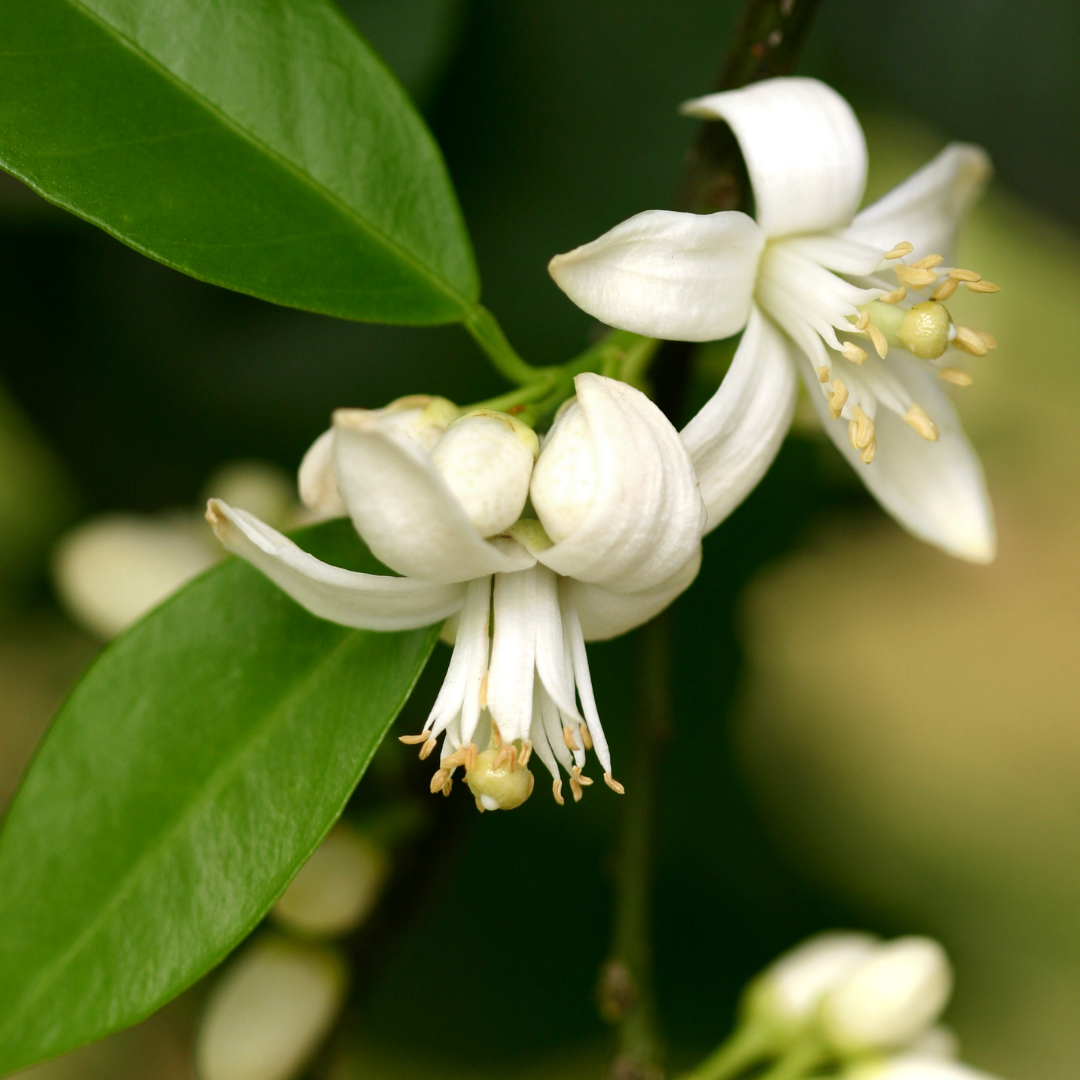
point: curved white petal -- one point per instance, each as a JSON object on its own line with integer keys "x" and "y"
{"x": 364, "y": 601}
{"x": 936, "y": 490}
{"x": 928, "y": 207}
{"x": 605, "y": 614}
{"x": 405, "y": 511}
{"x": 682, "y": 277}
{"x": 803, "y": 147}
{"x": 513, "y": 654}
{"x": 317, "y": 480}
{"x": 734, "y": 438}
{"x": 647, "y": 515}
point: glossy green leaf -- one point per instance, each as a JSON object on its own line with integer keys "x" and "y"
{"x": 257, "y": 144}
{"x": 193, "y": 770}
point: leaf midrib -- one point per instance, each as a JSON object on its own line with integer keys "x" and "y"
{"x": 350, "y": 213}
{"x": 218, "y": 778}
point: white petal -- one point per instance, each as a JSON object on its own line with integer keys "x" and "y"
{"x": 604, "y": 614}
{"x": 647, "y": 516}
{"x": 682, "y": 277}
{"x": 734, "y": 438}
{"x": 318, "y": 482}
{"x": 513, "y": 654}
{"x": 551, "y": 665}
{"x": 364, "y": 601}
{"x": 474, "y": 625}
{"x": 803, "y": 147}
{"x": 405, "y": 511}
{"x": 573, "y": 633}
{"x": 928, "y": 207}
{"x": 936, "y": 490}
{"x": 538, "y": 733}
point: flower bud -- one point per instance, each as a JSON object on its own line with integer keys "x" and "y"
{"x": 270, "y": 1010}
{"x": 486, "y": 459}
{"x": 498, "y": 782}
{"x": 336, "y": 888}
{"x": 913, "y": 1067}
{"x": 785, "y": 996}
{"x": 564, "y": 481}
{"x": 890, "y": 999}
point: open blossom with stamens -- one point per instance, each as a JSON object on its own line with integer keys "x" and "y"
{"x": 439, "y": 499}
{"x": 854, "y": 302}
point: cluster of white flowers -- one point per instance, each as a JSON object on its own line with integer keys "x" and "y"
{"x": 851, "y": 1001}
{"x": 532, "y": 547}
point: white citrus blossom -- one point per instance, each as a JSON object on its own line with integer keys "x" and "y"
{"x": 804, "y": 282}
{"x": 913, "y": 1067}
{"x": 439, "y": 499}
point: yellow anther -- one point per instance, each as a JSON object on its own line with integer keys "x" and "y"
{"x": 894, "y": 297}
{"x": 439, "y": 780}
{"x": 945, "y": 289}
{"x": 983, "y": 286}
{"x": 863, "y": 321}
{"x": 868, "y": 452}
{"x": 425, "y": 750}
{"x": 586, "y": 736}
{"x": 860, "y": 429}
{"x": 957, "y": 273}
{"x": 577, "y": 782}
{"x": 914, "y": 277}
{"x": 851, "y": 352}
{"x": 505, "y": 758}
{"x": 496, "y": 735}
{"x": 881, "y": 346}
{"x": 837, "y": 399}
{"x": 967, "y": 340}
{"x": 928, "y": 262}
{"x": 824, "y": 373}
{"x": 917, "y": 418}
{"x": 988, "y": 339}
{"x": 569, "y": 738}
{"x": 614, "y": 784}
{"x": 556, "y": 790}
{"x": 954, "y": 376}
{"x": 526, "y": 752}
{"x": 448, "y": 787}
{"x": 412, "y": 740}
{"x": 464, "y": 755}
{"x": 900, "y": 251}
{"x": 483, "y": 691}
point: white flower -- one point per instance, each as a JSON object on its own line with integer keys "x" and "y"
{"x": 803, "y": 283}
{"x": 890, "y": 999}
{"x": 439, "y": 501}
{"x": 913, "y": 1067}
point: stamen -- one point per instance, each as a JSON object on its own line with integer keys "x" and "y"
{"x": 425, "y": 750}
{"x": 863, "y": 321}
{"x": 988, "y": 339}
{"x": 851, "y": 352}
{"x": 917, "y": 418}
{"x": 824, "y": 373}
{"x": 900, "y": 251}
{"x": 448, "y": 787}
{"x": 928, "y": 262}
{"x": 861, "y": 434}
{"x": 969, "y": 341}
{"x": 954, "y": 376}
{"x": 438, "y": 781}
{"x": 945, "y": 289}
{"x": 577, "y": 782}
{"x": 507, "y": 756}
{"x": 465, "y": 755}
{"x": 914, "y": 277}
{"x": 556, "y": 790}
{"x": 483, "y": 691}
{"x": 958, "y": 273}
{"x": 983, "y": 286}
{"x": 413, "y": 740}
{"x": 837, "y": 399}
{"x": 614, "y": 784}
{"x": 868, "y": 452}
{"x": 881, "y": 346}
{"x": 496, "y": 735}
{"x": 568, "y": 738}
{"x": 526, "y": 752}
{"x": 894, "y": 297}
{"x": 586, "y": 736}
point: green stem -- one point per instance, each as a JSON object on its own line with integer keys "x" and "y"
{"x": 799, "y": 1061}
{"x": 745, "y": 1047}
{"x": 487, "y": 333}
{"x": 513, "y": 400}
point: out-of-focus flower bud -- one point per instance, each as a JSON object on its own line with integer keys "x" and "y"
{"x": 258, "y": 487}
{"x": 418, "y": 420}
{"x": 786, "y": 995}
{"x": 939, "y": 1042}
{"x": 913, "y": 1067}
{"x": 267, "y": 1015}
{"x": 564, "y": 480}
{"x": 336, "y": 889}
{"x": 486, "y": 459}
{"x": 890, "y": 999}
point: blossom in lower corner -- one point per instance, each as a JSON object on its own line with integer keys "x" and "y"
{"x": 439, "y": 499}
{"x": 852, "y": 301}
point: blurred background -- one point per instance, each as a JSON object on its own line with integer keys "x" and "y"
{"x": 923, "y": 775}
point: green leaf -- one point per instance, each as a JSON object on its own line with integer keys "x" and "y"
{"x": 196, "y": 766}
{"x": 257, "y": 144}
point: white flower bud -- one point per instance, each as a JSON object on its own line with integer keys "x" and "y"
{"x": 564, "y": 481}
{"x": 336, "y": 888}
{"x": 913, "y": 1067}
{"x": 890, "y": 999}
{"x": 267, "y": 1015}
{"x": 785, "y": 996}
{"x": 486, "y": 459}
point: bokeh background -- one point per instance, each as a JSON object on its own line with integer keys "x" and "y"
{"x": 917, "y": 770}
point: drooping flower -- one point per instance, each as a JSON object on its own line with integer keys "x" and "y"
{"x": 851, "y": 301}
{"x": 440, "y": 500}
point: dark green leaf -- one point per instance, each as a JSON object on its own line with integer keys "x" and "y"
{"x": 193, "y": 770}
{"x": 257, "y": 144}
